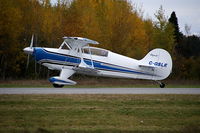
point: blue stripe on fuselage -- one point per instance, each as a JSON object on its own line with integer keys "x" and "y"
{"x": 41, "y": 54}
{"x": 98, "y": 65}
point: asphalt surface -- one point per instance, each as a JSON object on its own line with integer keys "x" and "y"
{"x": 99, "y": 90}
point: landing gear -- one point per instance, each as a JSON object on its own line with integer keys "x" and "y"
{"x": 57, "y": 86}
{"x": 162, "y": 85}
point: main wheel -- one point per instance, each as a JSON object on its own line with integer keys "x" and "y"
{"x": 162, "y": 85}
{"x": 57, "y": 86}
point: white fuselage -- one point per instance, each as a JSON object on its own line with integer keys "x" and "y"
{"x": 112, "y": 65}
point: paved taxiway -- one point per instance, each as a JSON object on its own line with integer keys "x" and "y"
{"x": 99, "y": 90}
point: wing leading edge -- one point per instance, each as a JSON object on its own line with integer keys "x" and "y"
{"x": 78, "y": 41}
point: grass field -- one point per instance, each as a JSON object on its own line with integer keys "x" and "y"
{"x": 99, "y": 113}
{"x": 101, "y": 82}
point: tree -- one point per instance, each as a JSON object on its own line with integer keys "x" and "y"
{"x": 10, "y": 30}
{"x": 114, "y": 23}
{"x": 187, "y": 29}
{"x": 190, "y": 46}
{"x": 149, "y": 29}
{"x": 174, "y": 21}
{"x": 163, "y": 35}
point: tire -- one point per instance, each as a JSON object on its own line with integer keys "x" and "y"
{"x": 162, "y": 85}
{"x": 57, "y": 86}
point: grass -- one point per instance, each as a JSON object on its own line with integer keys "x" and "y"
{"x": 101, "y": 82}
{"x": 99, "y": 113}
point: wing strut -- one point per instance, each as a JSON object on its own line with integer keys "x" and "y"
{"x": 83, "y": 67}
{"x": 82, "y": 64}
{"x": 91, "y": 57}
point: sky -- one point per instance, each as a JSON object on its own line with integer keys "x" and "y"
{"x": 187, "y": 11}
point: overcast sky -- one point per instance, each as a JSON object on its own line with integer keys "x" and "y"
{"x": 187, "y": 11}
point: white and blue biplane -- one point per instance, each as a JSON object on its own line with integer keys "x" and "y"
{"x": 76, "y": 56}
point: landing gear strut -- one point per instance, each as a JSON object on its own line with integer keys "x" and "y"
{"x": 57, "y": 86}
{"x": 162, "y": 85}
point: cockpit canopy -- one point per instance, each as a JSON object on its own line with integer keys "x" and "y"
{"x": 79, "y": 44}
{"x": 87, "y": 50}
{"x": 95, "y": 51}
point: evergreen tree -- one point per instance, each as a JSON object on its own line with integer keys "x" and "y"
{"x": 173, "y": 20}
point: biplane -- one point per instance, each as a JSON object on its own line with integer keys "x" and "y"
{"x": 75, "y": 55}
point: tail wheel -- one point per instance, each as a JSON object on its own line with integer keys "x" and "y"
{"x": 57, "y": 86}
{"x": 162, "y": 85}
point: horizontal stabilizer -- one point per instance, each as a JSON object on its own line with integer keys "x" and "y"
{"x": 147, "y": 66}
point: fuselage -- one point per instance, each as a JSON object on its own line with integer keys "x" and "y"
{"x": 108, "y": 64}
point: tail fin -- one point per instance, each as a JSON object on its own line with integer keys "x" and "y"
{"x": 161, "y": 62}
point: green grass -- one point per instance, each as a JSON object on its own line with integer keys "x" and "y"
{"x": 99, "y": 113}
{"x": 100, "y": 82}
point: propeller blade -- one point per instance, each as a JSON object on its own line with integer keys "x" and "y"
{"x": 27, "y": 63}
{"x": 31, "y": 45}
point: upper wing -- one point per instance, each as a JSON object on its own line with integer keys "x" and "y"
{"x": 75, "y": 42}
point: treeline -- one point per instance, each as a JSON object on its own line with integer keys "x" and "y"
{"x": 116, "y": 24}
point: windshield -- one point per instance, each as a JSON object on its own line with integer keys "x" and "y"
{"x": 95, "y": 51}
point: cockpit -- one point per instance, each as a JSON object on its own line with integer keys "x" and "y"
{"x": 95, "y": 51}
{"x": 80, "y": 46}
